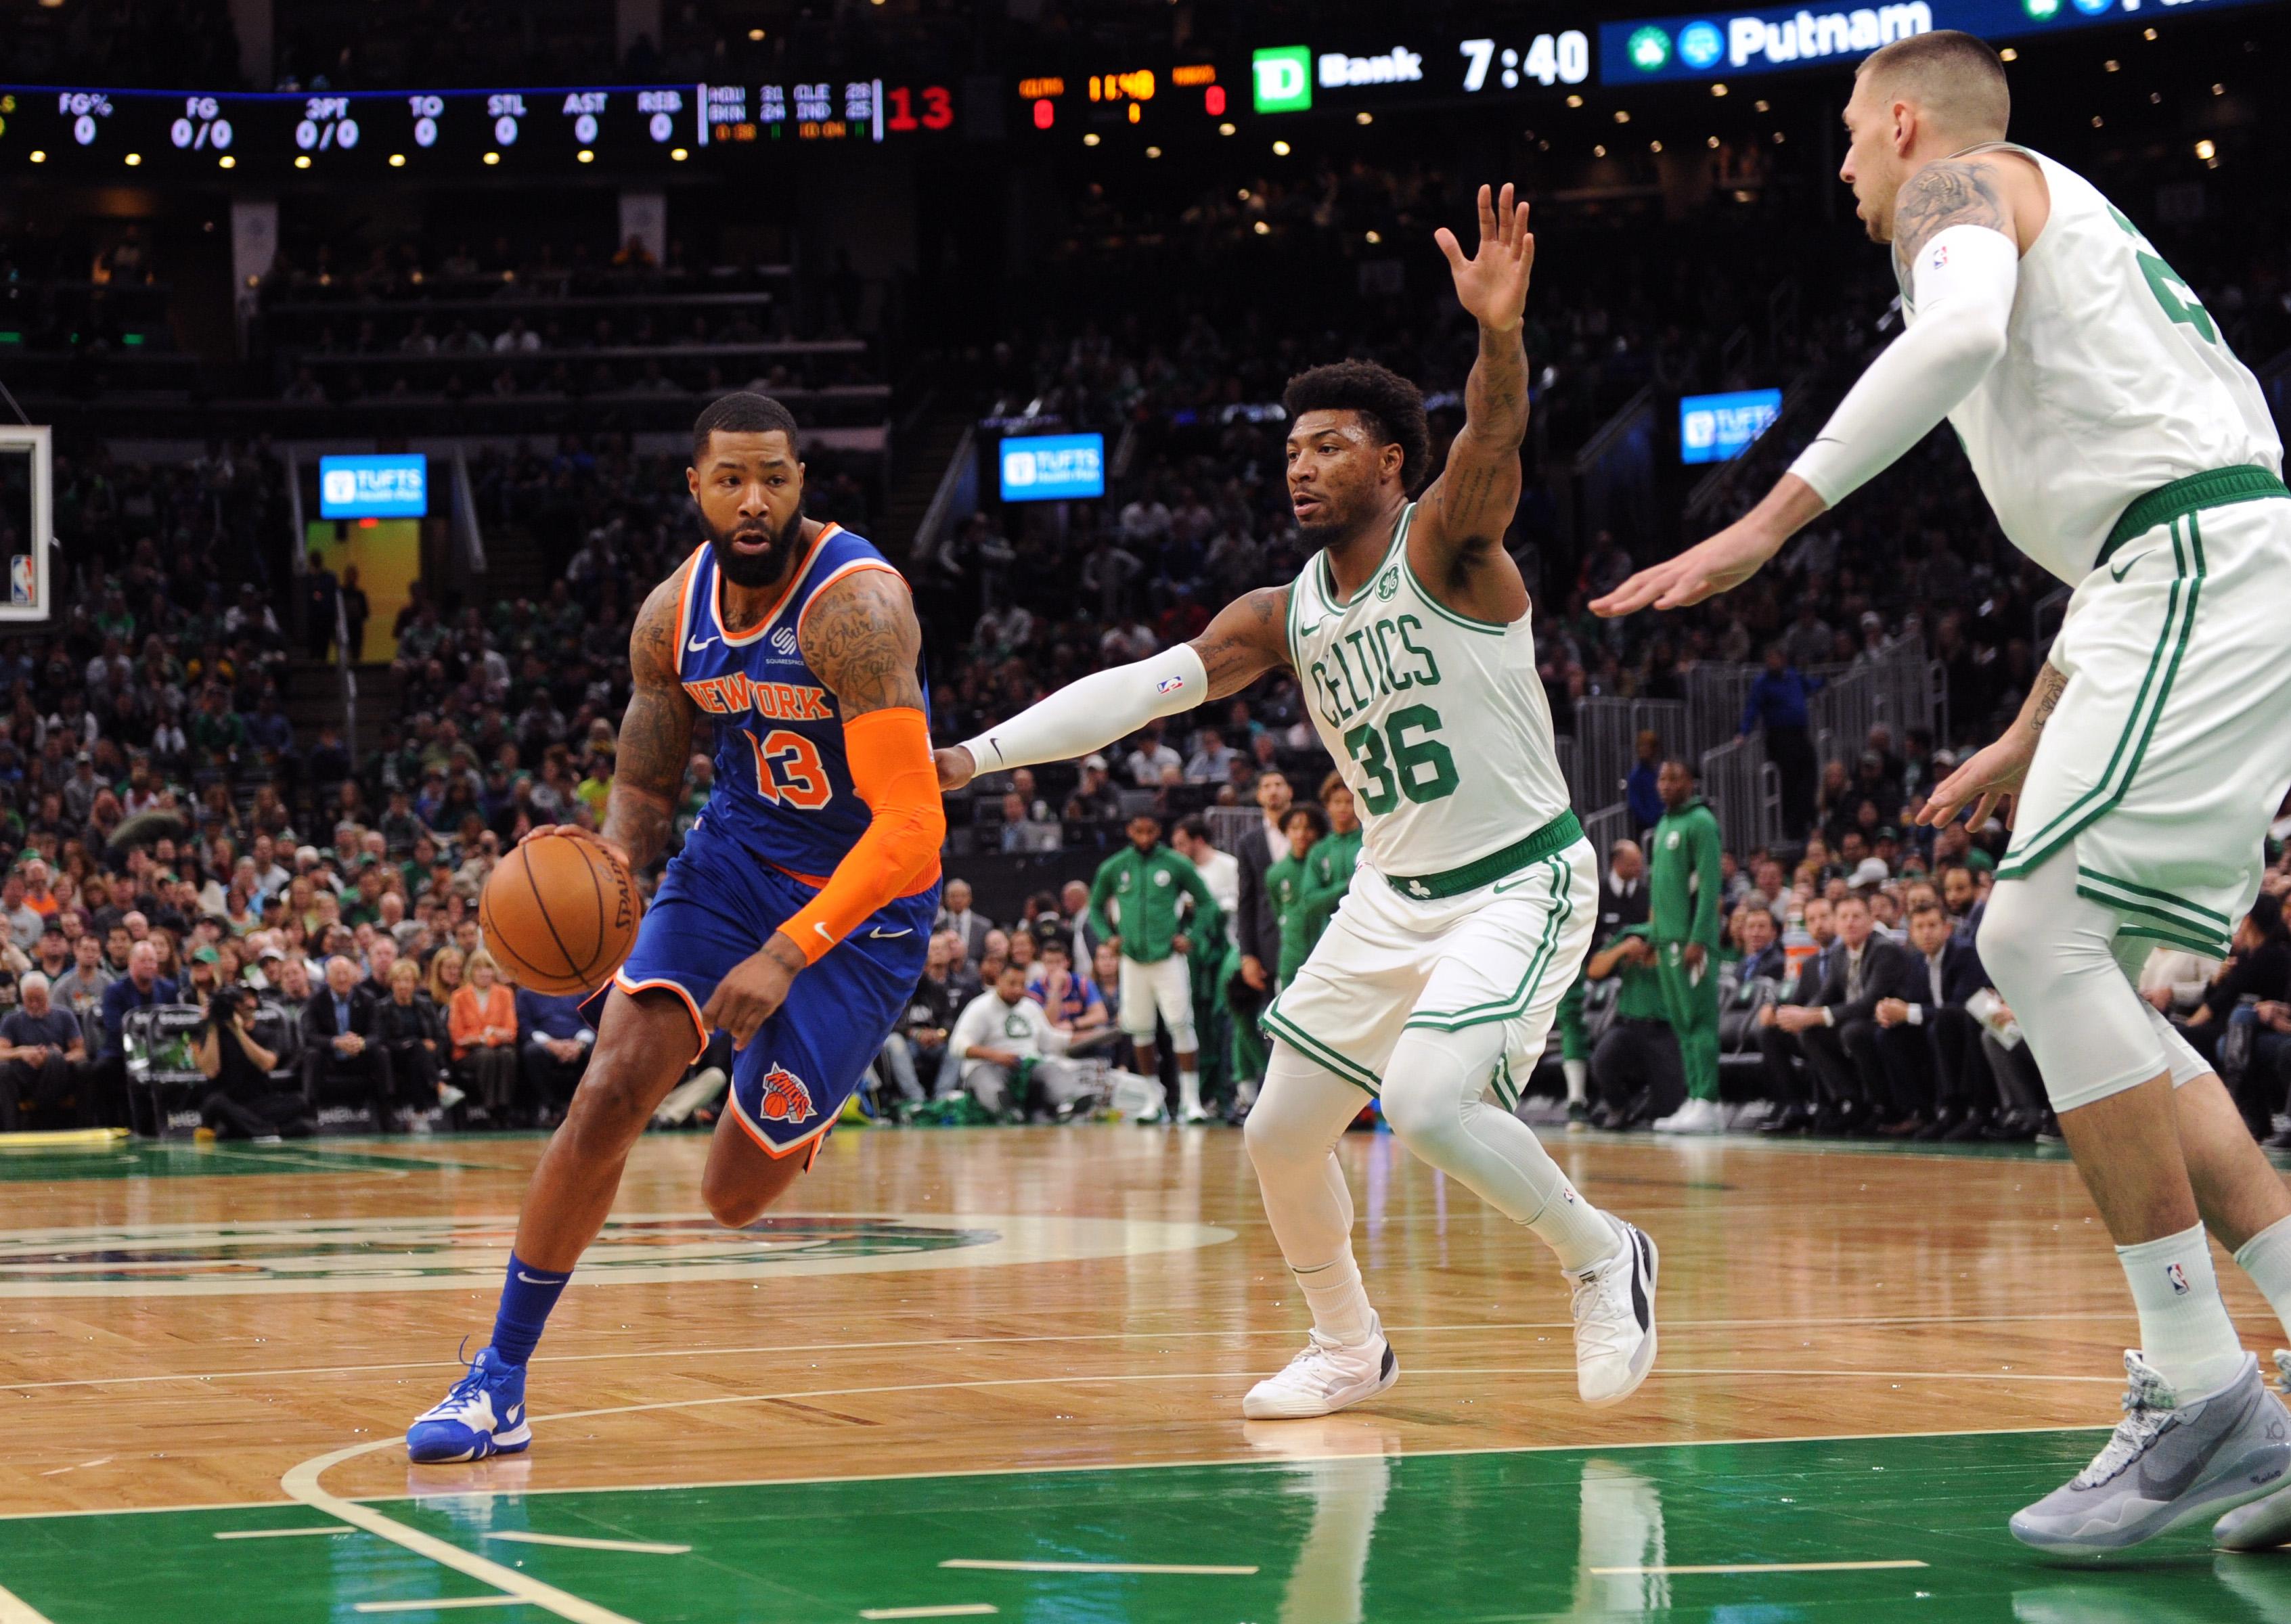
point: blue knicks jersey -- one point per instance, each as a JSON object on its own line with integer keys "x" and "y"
{"x": 783, "y": 787}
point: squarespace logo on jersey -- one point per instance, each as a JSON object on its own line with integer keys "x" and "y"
{"x": 1753, "y": 41}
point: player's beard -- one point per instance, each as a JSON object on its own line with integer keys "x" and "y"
{"x": 754, "y": 570}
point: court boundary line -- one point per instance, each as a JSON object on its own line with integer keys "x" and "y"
{"x": 991, "y": 1342}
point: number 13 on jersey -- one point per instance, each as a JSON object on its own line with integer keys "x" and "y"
{"x": 788, "y": 770}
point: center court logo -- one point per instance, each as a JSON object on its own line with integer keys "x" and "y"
{"x": 464, "y": 1253}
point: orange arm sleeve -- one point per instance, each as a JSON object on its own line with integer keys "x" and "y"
{"x": 890, "y": 756}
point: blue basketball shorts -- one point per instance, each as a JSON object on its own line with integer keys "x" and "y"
{"x": 717, "y": 904}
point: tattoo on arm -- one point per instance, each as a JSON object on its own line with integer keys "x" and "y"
{"x": 861, "y": 636}
{"x": 1472, "y": 503}
{"x": 655, "y": 737}
{"x": 2049, "y": 684}
{"x": 1951, "y": 192}
{"x": 1249, "y": 637}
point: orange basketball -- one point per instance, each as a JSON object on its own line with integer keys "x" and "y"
{"x": 558, "y": 914}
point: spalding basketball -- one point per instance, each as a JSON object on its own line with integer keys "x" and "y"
{"x": 558, "y": 914}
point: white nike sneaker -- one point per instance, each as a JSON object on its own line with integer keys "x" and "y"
{"x": 2265, "y": 1524}
{"x": 1323, "y": 1378}
{"x": 1614, "y": 1319}
{"x": 1695, "y": 1116}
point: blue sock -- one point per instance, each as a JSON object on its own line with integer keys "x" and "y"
{"x": 528, "y": 1295}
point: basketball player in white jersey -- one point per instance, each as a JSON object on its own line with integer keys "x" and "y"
{"x": 1475, "y": 893}
{"x": 2126, "y": 450}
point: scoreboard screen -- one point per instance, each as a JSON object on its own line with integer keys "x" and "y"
{"x": 354, "y": 132}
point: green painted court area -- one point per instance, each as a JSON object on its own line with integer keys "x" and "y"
{"x": 1562, "y": 1534}
{"x": 177, "y": 1159}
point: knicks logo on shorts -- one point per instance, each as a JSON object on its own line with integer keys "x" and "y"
{"x": 785, "y": 1099}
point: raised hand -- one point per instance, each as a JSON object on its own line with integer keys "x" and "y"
{"x": 1492, "y": 284}
{"x": 1718, "y": 565}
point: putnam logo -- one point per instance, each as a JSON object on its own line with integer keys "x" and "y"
{"x": 785, "y": 1098}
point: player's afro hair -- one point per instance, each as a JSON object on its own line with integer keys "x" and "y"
{"x": 743, "y": 412}
{"x": 1391, "y": 406}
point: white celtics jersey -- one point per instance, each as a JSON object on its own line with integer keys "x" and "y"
{"x": 1437, "y": 721}
{"x": 2114, "y": 381}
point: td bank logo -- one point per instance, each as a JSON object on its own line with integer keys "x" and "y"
{"x": 1649, "y": 48}
{"x": 1284, "y": 78}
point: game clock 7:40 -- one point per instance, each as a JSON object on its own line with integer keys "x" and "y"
{"x": 1550, "y": 59}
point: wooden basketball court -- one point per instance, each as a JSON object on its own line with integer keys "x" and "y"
{"x": 972, "y": 1373}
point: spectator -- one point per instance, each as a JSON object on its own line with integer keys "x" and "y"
{"x": 411, "y": 1029}
{"x": 43, "y": 1056}
{"x": 1145, "y": 883}
{"x": 1684, "y": 892}
{"x": 916, "y": 1047}
{"x": 80, "y": 989}
{"x": 342, "y": 1050}
{"x": 139, "y": 989}
{"x": 1211, "y": 762}
{"x": 1153, "y": 758}
{"x": 1069, "y": 997}
{"x": 955, "y": 914}
{"x": 555, "y": 1040}
{"x": 2257, "y": 970}
{"x": 1640, "y": 790}
{"x": 1008, "y": 1050}
{"x": 481, "y": 1021}
{"x": 1094, "y": 799}
{"x": 1777, "y": 700}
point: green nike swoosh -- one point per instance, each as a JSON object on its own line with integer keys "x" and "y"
{"x": 2114, "y": 574}
{"x": 1512, "y": 885}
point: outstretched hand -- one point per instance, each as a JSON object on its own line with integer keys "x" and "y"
{"x": 1492, "y": 284}
{"x": 1704, "y": 570}
{"x": 1990, "y": 781}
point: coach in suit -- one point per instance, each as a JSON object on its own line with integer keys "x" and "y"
{"x": 1785, "y": 1054}
{"x": 1839, "y": 1033}
{"x": 342, "y": 1051}
{"x": 1955, "y": 1091}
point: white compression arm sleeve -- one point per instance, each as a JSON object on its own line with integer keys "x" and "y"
{"x": 1092, "y": 713}
{"x": 1963, "y": 283}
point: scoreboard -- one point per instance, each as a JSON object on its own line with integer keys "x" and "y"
{"x": 369, "y": 132}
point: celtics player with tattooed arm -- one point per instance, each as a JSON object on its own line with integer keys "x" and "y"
{"x": 1475, "y": 891}
{"x": 2128, "y": 451}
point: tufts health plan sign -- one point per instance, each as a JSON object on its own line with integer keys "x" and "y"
{"x": 1720, "y": 428}
{"x": 1053, "y": 467}
{"x": 373, "y": 487}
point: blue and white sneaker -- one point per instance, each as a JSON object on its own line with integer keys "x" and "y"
{"x": 483, "y": 1415}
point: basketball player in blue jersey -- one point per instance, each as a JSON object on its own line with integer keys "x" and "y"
{"x": 798, "y": 914}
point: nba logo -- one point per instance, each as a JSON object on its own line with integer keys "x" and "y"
{"x": 19, "y": 578}
{"x": 1168, "y": 685}
{"x": 2178, "y": 1276}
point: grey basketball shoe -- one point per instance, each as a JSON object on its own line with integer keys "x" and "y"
{"x": 2169, "y": 1462}
{"x": 2263, "y": 1524}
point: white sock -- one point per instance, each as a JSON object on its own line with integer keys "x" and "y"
{"x": 1189, "y": 1092}
{"x": 2266, "y": 1257}
{"x": 1339, "y": 1303}
{"x": 2184, "y": 1331}
{"x": 1578, "y": 1080}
